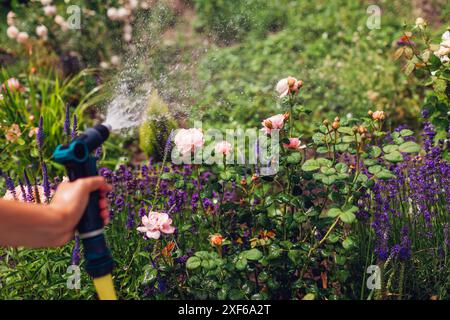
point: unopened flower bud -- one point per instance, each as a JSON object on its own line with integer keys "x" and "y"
{"x": 254, "y": 177}
{"x": 243, "y": 182}
{"x": 335, "y": 125}
{"x": 326, "y": 122}
{"x": 337, "y": 119}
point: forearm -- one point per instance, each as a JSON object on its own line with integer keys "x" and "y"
{"x": 30, "y": 225}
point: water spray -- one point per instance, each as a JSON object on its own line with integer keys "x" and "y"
{"x": 76, "y": 157}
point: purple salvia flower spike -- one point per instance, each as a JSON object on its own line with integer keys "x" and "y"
{"x": 74, "y": 127}
{"x": 67, "y": 121}
{"x": 45, "y": 182}
{"x": 29, "y": 193}
{"x": 11, "y": 187}
{"x": 40, "y": 135}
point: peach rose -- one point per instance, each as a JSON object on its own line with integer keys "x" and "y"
{"x": 294, "y": 144}
{"x": 274, "y": 122}
{"x": 216, "y": 239}
{"x": 288, "y": 85}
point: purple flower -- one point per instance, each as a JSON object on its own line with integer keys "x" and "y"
{"x": 40, "y": 135}
{"x": 76, "y": 251}
{"x": 10, "y": 186}
{"x": 22, "y": 189}
{"x": 67, "y": 121}
{"x": 75, "y": 127}
{"x": 29, "y": 193}
{"x": 45, "y": 182}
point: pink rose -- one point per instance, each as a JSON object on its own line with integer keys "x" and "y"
{"x": 188, "y": 140}
{"x": 274, "y": 122}
{"x": 49, "y": 11}
{"x": 12, "y": 32}
{"x": 22, "y": 37}
{"x": 10, "y": 18}
{"x": 13, "y": 85}
{"x": 156, "y": 223}
{"x": 223, "y": 147}
{"x": 294, "y": 144}
{"x": 42, "y": 31}
{"x": 288, "y": 85}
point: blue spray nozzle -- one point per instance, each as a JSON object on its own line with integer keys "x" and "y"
{"x": 76, "y": 157}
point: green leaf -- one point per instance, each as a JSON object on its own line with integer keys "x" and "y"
{"x": 241, "y": 263}
{"x": 409, "y": 147}
{"x": 341, "y": 167}
{"x": 385, "y": 174}
{"x": 375, "y": 151}
{"x": 311, "y": 165}
{"x": 294, "y": 158}
{"x": 324, "y": 162}
{"x": 394, "y": 156}
{"x": 328, "y": 180}
{"x": 390, "y": 148}
{"x": 347, "y": 217}
{"x": 406, "y": 133}
{"x": 374, "y": 169}
{"x": 334, "y": 212}
{"x": 309, "y": 296}
{"x": 193, "y": 263}
{"x": 328, "y": 171}
{"x": 346, "y": 130}
{"x": 348, "y": 243}
{"x": 253, "y": 254}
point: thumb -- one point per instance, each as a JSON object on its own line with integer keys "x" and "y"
{"x": 95, "y": 183}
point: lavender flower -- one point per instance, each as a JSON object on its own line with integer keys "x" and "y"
{"x": 29, "y": 193}
{"x": 40, "y": 135}
{"x": 67, "y": 121}
{"x": 45, "y": 182}
{"x": 76, "y": 251}
{"x": 22, "y": 190}
{"x": 74, "y": 127}
{"x": 10, "y": 186}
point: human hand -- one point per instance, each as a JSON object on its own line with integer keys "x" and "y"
{"x": 70, "y": 201}
{"x": 38, "y": 225}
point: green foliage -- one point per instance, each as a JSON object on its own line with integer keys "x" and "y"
{"x": 155, "y": 131}
{"x": 346, "y": 68}
{"x": 233, "y": 20}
